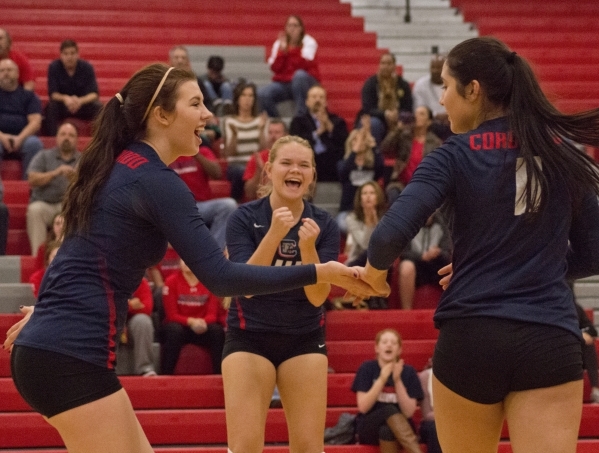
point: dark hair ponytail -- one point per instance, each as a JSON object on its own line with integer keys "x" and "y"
{"x": 120, "y": 122}
{"x": 545, "y": 136}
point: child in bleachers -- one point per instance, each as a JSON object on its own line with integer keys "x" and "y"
{"x": 139, "y": 331}
{"x": 55, "y": 234}
{"x": 191, "y": 317}
{"x": 388, "y": 392}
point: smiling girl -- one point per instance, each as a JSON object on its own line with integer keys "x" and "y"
{"x": 123, "y": 208}
{"x": 387, "y": 392}
{"x": 279, "y": 338}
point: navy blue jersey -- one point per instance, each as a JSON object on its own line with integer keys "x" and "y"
{"x": 503, "y": 264}
{"x": 143, "y": 205}
{"x": 287, "y": 311}
{"x": 370, "y": 371}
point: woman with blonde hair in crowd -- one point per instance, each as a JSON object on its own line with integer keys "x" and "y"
{"x": 361, "y": 163}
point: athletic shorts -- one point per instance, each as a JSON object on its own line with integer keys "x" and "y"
{"x": 52, "y": 383}
{"x": 275, "y": 347}
{"x": 483, "y": 359}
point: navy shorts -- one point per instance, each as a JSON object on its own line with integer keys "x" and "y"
{"x": 275, "y": 347}
{"x": 52, "y": 383}
{"x": 483, "y": 359}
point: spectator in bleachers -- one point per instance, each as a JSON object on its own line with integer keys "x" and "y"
{"x": 218, "y": 89}
{"x": 3, "y": 221}
{"x": 253, "y": 176}
{"x": 279, "y": 339}
{"x": 244, "y": 133}
{"x": 428, "y": 429}
{"x": 408, "y": 144}
{"x": 191, "y": 316}
{"x": 369, "y": 207}
{"x": 427, "y": 91}
{"x": 293, "y": 61}
{"x": 386, "y": 97}
{"x": 20, "y": 117}
{"x": 179, "y": 58}
{"x": 36, "y": 277}
{"x": 195, "y": 172}
{"x": 428, "y": 252}
{"x": 54, "y": 235}
{"x": 49, "y": 175}
{"x": 589, "y": 352}
{"x": 388, "y": 391}
{"x": 139, "y": 330}
{"x": 26, "y": 78}
{"x": 72, "y": 87}
{"x": 325, "y": 131}
{"x": 361, "y": 163}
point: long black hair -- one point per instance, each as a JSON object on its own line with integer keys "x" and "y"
{"x": 546, "y": 137}
{"x": 120, "y": 122}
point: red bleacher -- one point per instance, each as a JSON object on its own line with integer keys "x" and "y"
{"x": 189, "y": 22}
{"x": 188, "y": 410}
{"x": 559, "y": 38}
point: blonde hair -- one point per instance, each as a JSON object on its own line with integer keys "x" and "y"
{"x": 265, "y": 189}
{"x": 368, "y": 146}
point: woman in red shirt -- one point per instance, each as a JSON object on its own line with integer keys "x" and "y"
{"x": 191, "y": 317}
{"x": 293, "y": 61}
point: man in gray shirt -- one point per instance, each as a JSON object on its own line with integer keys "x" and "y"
{"x": 49, "y": 175}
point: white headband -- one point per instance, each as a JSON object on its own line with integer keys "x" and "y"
{"x": 156, "y": 93}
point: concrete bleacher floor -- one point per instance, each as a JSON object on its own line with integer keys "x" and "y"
{"x": 433, "y": 24}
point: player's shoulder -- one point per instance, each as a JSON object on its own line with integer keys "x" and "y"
{"x": 255, "y": 209}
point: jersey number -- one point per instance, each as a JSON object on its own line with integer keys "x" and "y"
{"x": 521, "y": 179}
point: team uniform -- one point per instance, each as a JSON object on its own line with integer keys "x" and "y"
{"x": 286, "y": 316}
{"x": 506, "y": 268}
{"x": 82, "y": 304}
{"x": 371, "y": 426}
